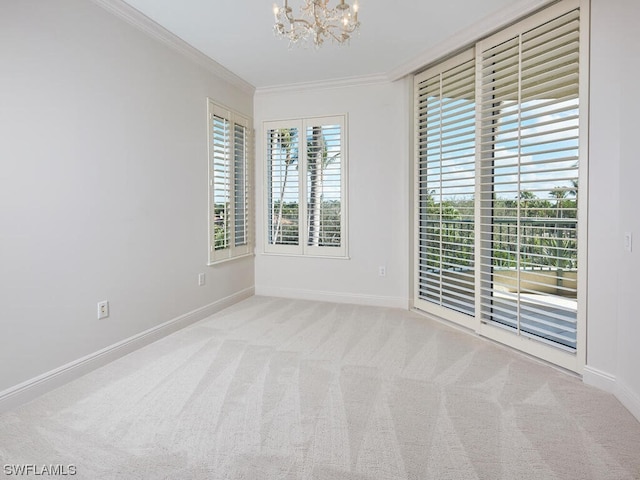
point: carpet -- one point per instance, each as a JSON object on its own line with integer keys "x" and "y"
{"x": 289, "y": 389}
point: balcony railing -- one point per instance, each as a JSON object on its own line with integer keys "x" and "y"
{"x": 527, "y": 244}
{"x": 532, "y": 261}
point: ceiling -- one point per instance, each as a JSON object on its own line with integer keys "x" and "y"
{"x": 238, "y": 34}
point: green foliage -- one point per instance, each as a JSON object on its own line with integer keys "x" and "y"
{"x": 330, "y": 216}
{"x": 547, "y": 232}
{"x": 221, "y": 230}
{"x": 449, "y": 233}
{"x": 287, "y": 221}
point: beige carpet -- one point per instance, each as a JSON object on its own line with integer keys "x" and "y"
{"x": 285, "y": 389}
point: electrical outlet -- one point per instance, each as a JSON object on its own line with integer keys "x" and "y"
{"x": 382, "y": 271}
{"x": 103, "y": 309}
{"x": 201, "y": 279}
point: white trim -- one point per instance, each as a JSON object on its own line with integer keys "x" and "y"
{"x": 583, "y": 175}
{"x": 599, "y": 379}
{"x": 609, "y": 383}
{"x": 531, "y": 345}
{"x": 374, "y": 79}
{"x": 33, "y": 388}
{"x": 413, "y": 175}
{"x": 230, "y": 259}
{"x": 143, "y": 23}
{"x": 467, "y": 37}
{"x": 629, "y": 399}
{"x": 334, "y": 297}
{"x": 300, "y": 255}
{"x": 502, "y": 345}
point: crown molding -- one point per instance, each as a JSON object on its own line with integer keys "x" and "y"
{"x": 467, "y": 37}
{"x": 359, "y": 81}
{"x": 143, "y": 23}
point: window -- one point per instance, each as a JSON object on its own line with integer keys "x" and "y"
{"x": 306, "y": 187}
{"x": 229, "y": 153}
{"x": 499, "y": 158}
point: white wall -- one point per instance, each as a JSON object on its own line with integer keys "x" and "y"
{"x": 103, "y": 184}
{"x": 378, "y": 197}
{"x": 613, "y": 351}
{"x": 604, "y": 178}
{"x": 628, "y": 304}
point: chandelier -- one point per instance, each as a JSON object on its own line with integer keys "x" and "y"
{"x": 317, "y": 22}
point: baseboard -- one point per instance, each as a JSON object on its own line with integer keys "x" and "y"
{"x": 599, "y": 379}
{"x": 335, "y": 297}
{"x": 33, "y": 388}
{"x": 609, "y": 383}
{"x": 629, "y": 399}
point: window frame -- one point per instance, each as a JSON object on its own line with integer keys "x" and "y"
{"x": 232, "y": 250}
{"x": 302, "y": 248}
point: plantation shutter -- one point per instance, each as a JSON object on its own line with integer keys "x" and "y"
{"x": 283, "y": 174}
{"x": 241, "y": 206}
{"x": 221, "y": 183}
{"x": 528, "y": 148}
{"x": 445, "y": 135}
{"x": 324, "y": 173}
{"x": 306, "y": 186}
{"x": 229, "y": 157}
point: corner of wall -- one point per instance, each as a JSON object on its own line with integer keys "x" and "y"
{"x": 628, "y": 398}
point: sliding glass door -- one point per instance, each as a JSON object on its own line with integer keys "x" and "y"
{"x": 446, "y": 186}
{"x": 529, "y": 152}
{"x": 499, "y": 162}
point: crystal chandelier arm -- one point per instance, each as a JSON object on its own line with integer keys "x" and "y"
{"x": 340, "y": 39}
{"x": 301, "y": 20}
{"x": 350, "y": 29}
{"x": 288, "y": 14}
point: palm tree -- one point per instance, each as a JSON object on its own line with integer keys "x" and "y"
{"x": 574, "y": 191}
{"x": 561, "y": 245}
{"x": 316, "y": 159}
{"x": 285, "y": 139}
{"x": 559, "y": 193}
{"x": 524, "y": 197}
